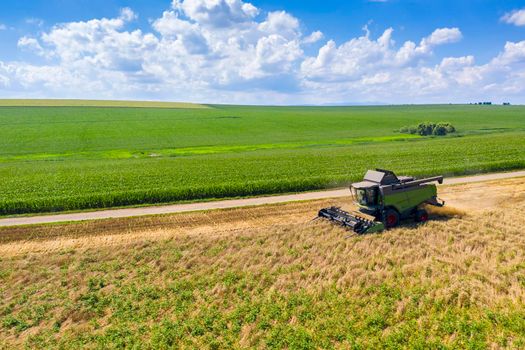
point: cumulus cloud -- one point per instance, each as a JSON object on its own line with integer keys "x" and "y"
{"x": 127, "y": 14}
{"x": 366, "y": 69}
{"x": 441, "y": 36}
{"x": 31, "y": 44}
{"x": 234, "y": 47}
{"x": 99, "y": 43}
{"x": 229, "y": 51}
{"x": 456, "y": 62}
{"x": 280, "y": 23}
{"x": 185, "y": 34}
{"x": 314, "y": 37}
{"x": 360, "y": 56}
{"x": 516, "y": 17}
{"x": 196, "y": 45}
{"x": 216, "y": 13}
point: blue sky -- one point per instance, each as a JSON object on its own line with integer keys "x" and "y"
{"x": 268, "y": 52}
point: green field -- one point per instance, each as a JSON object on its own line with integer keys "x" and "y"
{"x": 71, "y": 158}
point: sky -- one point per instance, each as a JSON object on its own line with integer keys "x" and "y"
{"x": 265, "y": 52}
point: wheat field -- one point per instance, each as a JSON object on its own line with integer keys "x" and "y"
{"x": 269, "y": 277}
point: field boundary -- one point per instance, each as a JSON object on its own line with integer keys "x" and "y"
{"x": 222, "y": 204}
{"x": 99, "y": 104}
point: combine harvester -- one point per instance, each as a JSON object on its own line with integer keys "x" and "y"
{"x": 384, "y": 199}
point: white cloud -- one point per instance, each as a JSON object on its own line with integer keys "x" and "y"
{"x": 216, "y": 13}
{"x": 190, "y": 50}
{"x": 99, "y": 43}
{"x": 280, "y": 23}
{"x": 516, "y": 17}
{"x": 31, "y": 44}
{"x": 187, "y": 35}
{"x": 364, "y": 69}
{"x": 4, "y": 71}
{"x": 3, "y": 26}
{"x": 348, "y": 61}
{"x": 314, "y": 37}
{"x": 409, "y": 51}
{"x": 35, "y": 21}
{"x": 127, "y": 14}
{"x": 362, "y": 56}
{"x": 379, "y": 78}
{"x": 274, "y": 55}
{"x": 514, "y": 53}
{"x": 4, "y": 81}
{"x": 456, "y": 62}
{"x": 228, "y": 51}
{"x": 441, "y": 36}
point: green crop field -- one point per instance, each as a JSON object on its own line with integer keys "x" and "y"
{"x": 92, "y": 156}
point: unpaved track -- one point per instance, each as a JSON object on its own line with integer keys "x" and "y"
{"x": 223, "y": 204}
{"x": 471, "y": 201}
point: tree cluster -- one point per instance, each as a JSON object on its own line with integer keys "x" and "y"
{"x": 429, "y": 128}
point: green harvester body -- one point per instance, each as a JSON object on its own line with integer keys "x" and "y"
{"x": 384, "y": 200}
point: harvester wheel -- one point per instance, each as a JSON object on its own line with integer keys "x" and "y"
{"x": 421, "y": 215}
{"x": 391, "y": 218}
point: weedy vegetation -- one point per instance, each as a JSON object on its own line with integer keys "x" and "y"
{"x": 73, "y": 158}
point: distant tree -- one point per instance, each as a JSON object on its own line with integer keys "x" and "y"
{"x": 429, "y": 128}
{"x": 448, "y": 127}
{"x": 439, "y": 130}
{"x": 425, "y": 129}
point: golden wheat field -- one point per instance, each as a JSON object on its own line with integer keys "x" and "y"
{"x": 269, "y": 277}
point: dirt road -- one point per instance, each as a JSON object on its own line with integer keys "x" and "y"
{"x": 478, "y": 200}
{"x": 224, "y": 204}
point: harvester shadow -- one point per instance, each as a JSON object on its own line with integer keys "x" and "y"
{"x": 436, "y": 214}
{"x": 410, "y": 224}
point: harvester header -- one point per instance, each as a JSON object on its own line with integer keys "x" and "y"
{"x": 384, "y": 199}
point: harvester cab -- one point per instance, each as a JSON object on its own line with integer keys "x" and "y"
{"x": 384, "y": 199}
